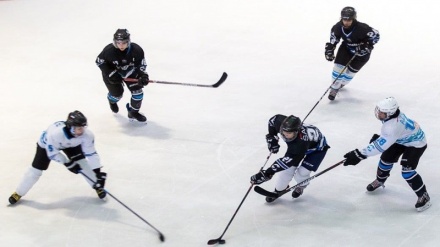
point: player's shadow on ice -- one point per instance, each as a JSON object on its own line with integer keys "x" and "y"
{"x": 83, "y": 207}
{"x": 149, "y": 129}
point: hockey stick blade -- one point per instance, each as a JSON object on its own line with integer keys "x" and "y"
{"x": 264, "y": 192}
{"x": 216, "y": 241}
{"x": 220, "y": 82}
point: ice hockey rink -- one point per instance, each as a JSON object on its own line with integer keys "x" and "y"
{"x": 188, "y": 169}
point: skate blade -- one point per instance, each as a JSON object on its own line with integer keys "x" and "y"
{"x": 427, "y": 205}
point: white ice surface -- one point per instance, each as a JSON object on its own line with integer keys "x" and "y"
{"x": 188, "y": 169}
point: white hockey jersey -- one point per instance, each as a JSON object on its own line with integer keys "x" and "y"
{"x": 400, "y": 130}
{"x": 55, "y": 139}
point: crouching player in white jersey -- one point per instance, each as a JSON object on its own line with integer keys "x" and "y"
{"x": 70, "y": 143}
{"x": 400, "y": 136}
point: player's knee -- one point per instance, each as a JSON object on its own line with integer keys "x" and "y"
{"x": 137, "y": 95}
{"x": 386, "y": 166}
{"x": 34, "y": 172}
{"x": 408, "y": 173}
{"x": 301, "y": 174}
{"x": 114, "y": 98}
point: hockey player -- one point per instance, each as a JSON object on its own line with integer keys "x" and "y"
{"x": 120, "y": 60}
{"x": 399, "y": 136}
{"x": 306, "y": 148}
{"x": 70, "y": 143}
{"x": 358, "y": 38}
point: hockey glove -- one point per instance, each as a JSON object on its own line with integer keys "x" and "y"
{"x": 262, "y": 176}
{"x": 272, "y": 143}
{"x": 144, "y": 78}
{"x": 374, "y": 137}
{"x": 353, "y": 158}
{"x": 73, "y": 167}
{"x": 329, "y": 52}
{"x": 363, "y": 49}
{"x": 100, "y": 180}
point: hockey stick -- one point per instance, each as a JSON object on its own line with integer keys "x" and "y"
{"x": 215, "y": 85}
{"x": 161, "y": 236}
{"x": 219, "y": 240}
{"x": 340, "y": 73}
{"x": 275, "y": 195}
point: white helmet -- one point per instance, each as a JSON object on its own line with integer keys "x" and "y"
{"x": 388, "y": 106}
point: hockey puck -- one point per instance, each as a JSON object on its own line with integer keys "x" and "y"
{"x": 162, "y": 238}
{"x": 222, "y": 241}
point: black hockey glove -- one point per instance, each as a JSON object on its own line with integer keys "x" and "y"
{"x": 144, "y": 78}
{"x": 353, "y": 158}
{"x": 73, "y": 167}
{"x": 262, "y": 176}
{"x": 329, "y": 52}
{"x": 374, "y": 137}
{"x": 272, "y": 143}
{"x": 100, "y": 180}
{"x": 364, "y": 49}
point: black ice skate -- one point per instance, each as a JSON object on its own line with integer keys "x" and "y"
{"x": 113, "y": 106}
{"x": 332, "y": 94}
{"x": 374, "y": 185}
{"x": 101, "y": 193}
{"x": 423, "y": 203}
{"x": 270, "y": 199}
{"x": 298, "y": 192}
{"x": 133, "y": 114}
{"x": 14, "y": 198}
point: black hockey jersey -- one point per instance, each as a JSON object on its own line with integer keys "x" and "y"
{"x": 127, "y": 63}
{"x": 309, "y": 139}
{"x": 355, "y": 35}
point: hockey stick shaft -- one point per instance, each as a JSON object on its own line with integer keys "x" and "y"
{"x": 215, "y": 85}
{"x": 339, "y": 75}
{"x": 219, "y": 239}
{"x": 161, "y": 236}
{"x": 264, "y": 192}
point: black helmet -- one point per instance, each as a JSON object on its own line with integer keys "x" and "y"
{"x": 121, "y": 35}
{"x": 291, "y": 124}
{"x": 76, "y": 119}
{"x": 348, "y": 13}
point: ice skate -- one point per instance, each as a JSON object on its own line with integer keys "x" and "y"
{"x": 423, "y": 203}
{"x": 14, "y": 198}
{"x": 271, "y": 199}
{"x": 332, "y": 94}
{"x": 113, "y": 106}
{"x": 101, "y": 193}
{"x": 135, "y": 115}
{"x": 374, "y": 185}
{"x": 297, "y": 192}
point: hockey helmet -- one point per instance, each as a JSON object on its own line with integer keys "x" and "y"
{"x": 348, "y": 13}
{"x": 76, "y": 119}
{"x": 291, "y": 124}
{"x": 121, "y": 35}
{"x": 389, "y": 106}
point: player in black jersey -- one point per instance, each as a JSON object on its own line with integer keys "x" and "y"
{"x": 306, "y": 148}
{"x": 120, "y": 60}
{"x": 358, "y": 38}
